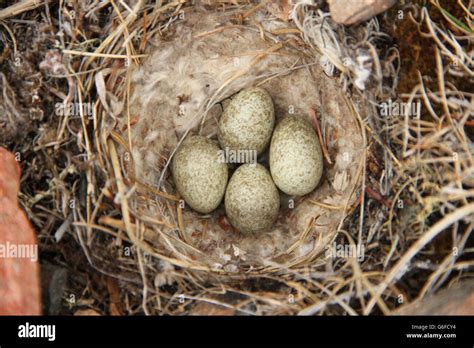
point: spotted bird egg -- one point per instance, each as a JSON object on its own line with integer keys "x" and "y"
{"x": 251, "y": 201}
{"x": 247, "y": 122}
{"x": 296, "y": 161}
{"x": 199, "y": 174}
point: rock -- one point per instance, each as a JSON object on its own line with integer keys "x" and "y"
{"x": 457, "y": 300}
{"x": 356, "y": 11}
{"x": 19, "y": 285}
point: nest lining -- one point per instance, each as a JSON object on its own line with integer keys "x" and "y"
{"x": 182, "y": 88}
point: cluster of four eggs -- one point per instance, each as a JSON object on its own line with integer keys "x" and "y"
{"x": 252, "y": 199}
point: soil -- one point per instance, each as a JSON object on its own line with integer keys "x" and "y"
{"x": 417, "y": 52}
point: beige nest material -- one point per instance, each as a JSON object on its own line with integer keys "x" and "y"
{"x": 392, "y": 188}
{"x": 180, "y": 90}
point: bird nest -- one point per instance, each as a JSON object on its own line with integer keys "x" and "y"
{"x": 394, "y": 201}
{"x": 181, "y": 89}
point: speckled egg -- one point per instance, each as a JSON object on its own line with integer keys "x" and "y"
{"x": 199, "y": 174}
{"x": 251, "y": 201}
{"x": 296, "y": 161}
{"x": 247, "y": 122}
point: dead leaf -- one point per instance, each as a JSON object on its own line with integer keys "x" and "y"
{"x": 86, "y": 312}
{"x": 115, "y": 306}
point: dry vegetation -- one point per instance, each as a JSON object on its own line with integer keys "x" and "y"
{"x": 416, "y": 211}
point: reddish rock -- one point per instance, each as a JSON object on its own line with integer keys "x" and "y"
{"x": 456, "y": 300}
{"x": 356, "y": 11}
{"x": 19, "y": 270}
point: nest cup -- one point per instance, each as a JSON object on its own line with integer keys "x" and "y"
{"x": 182, "y": 88}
